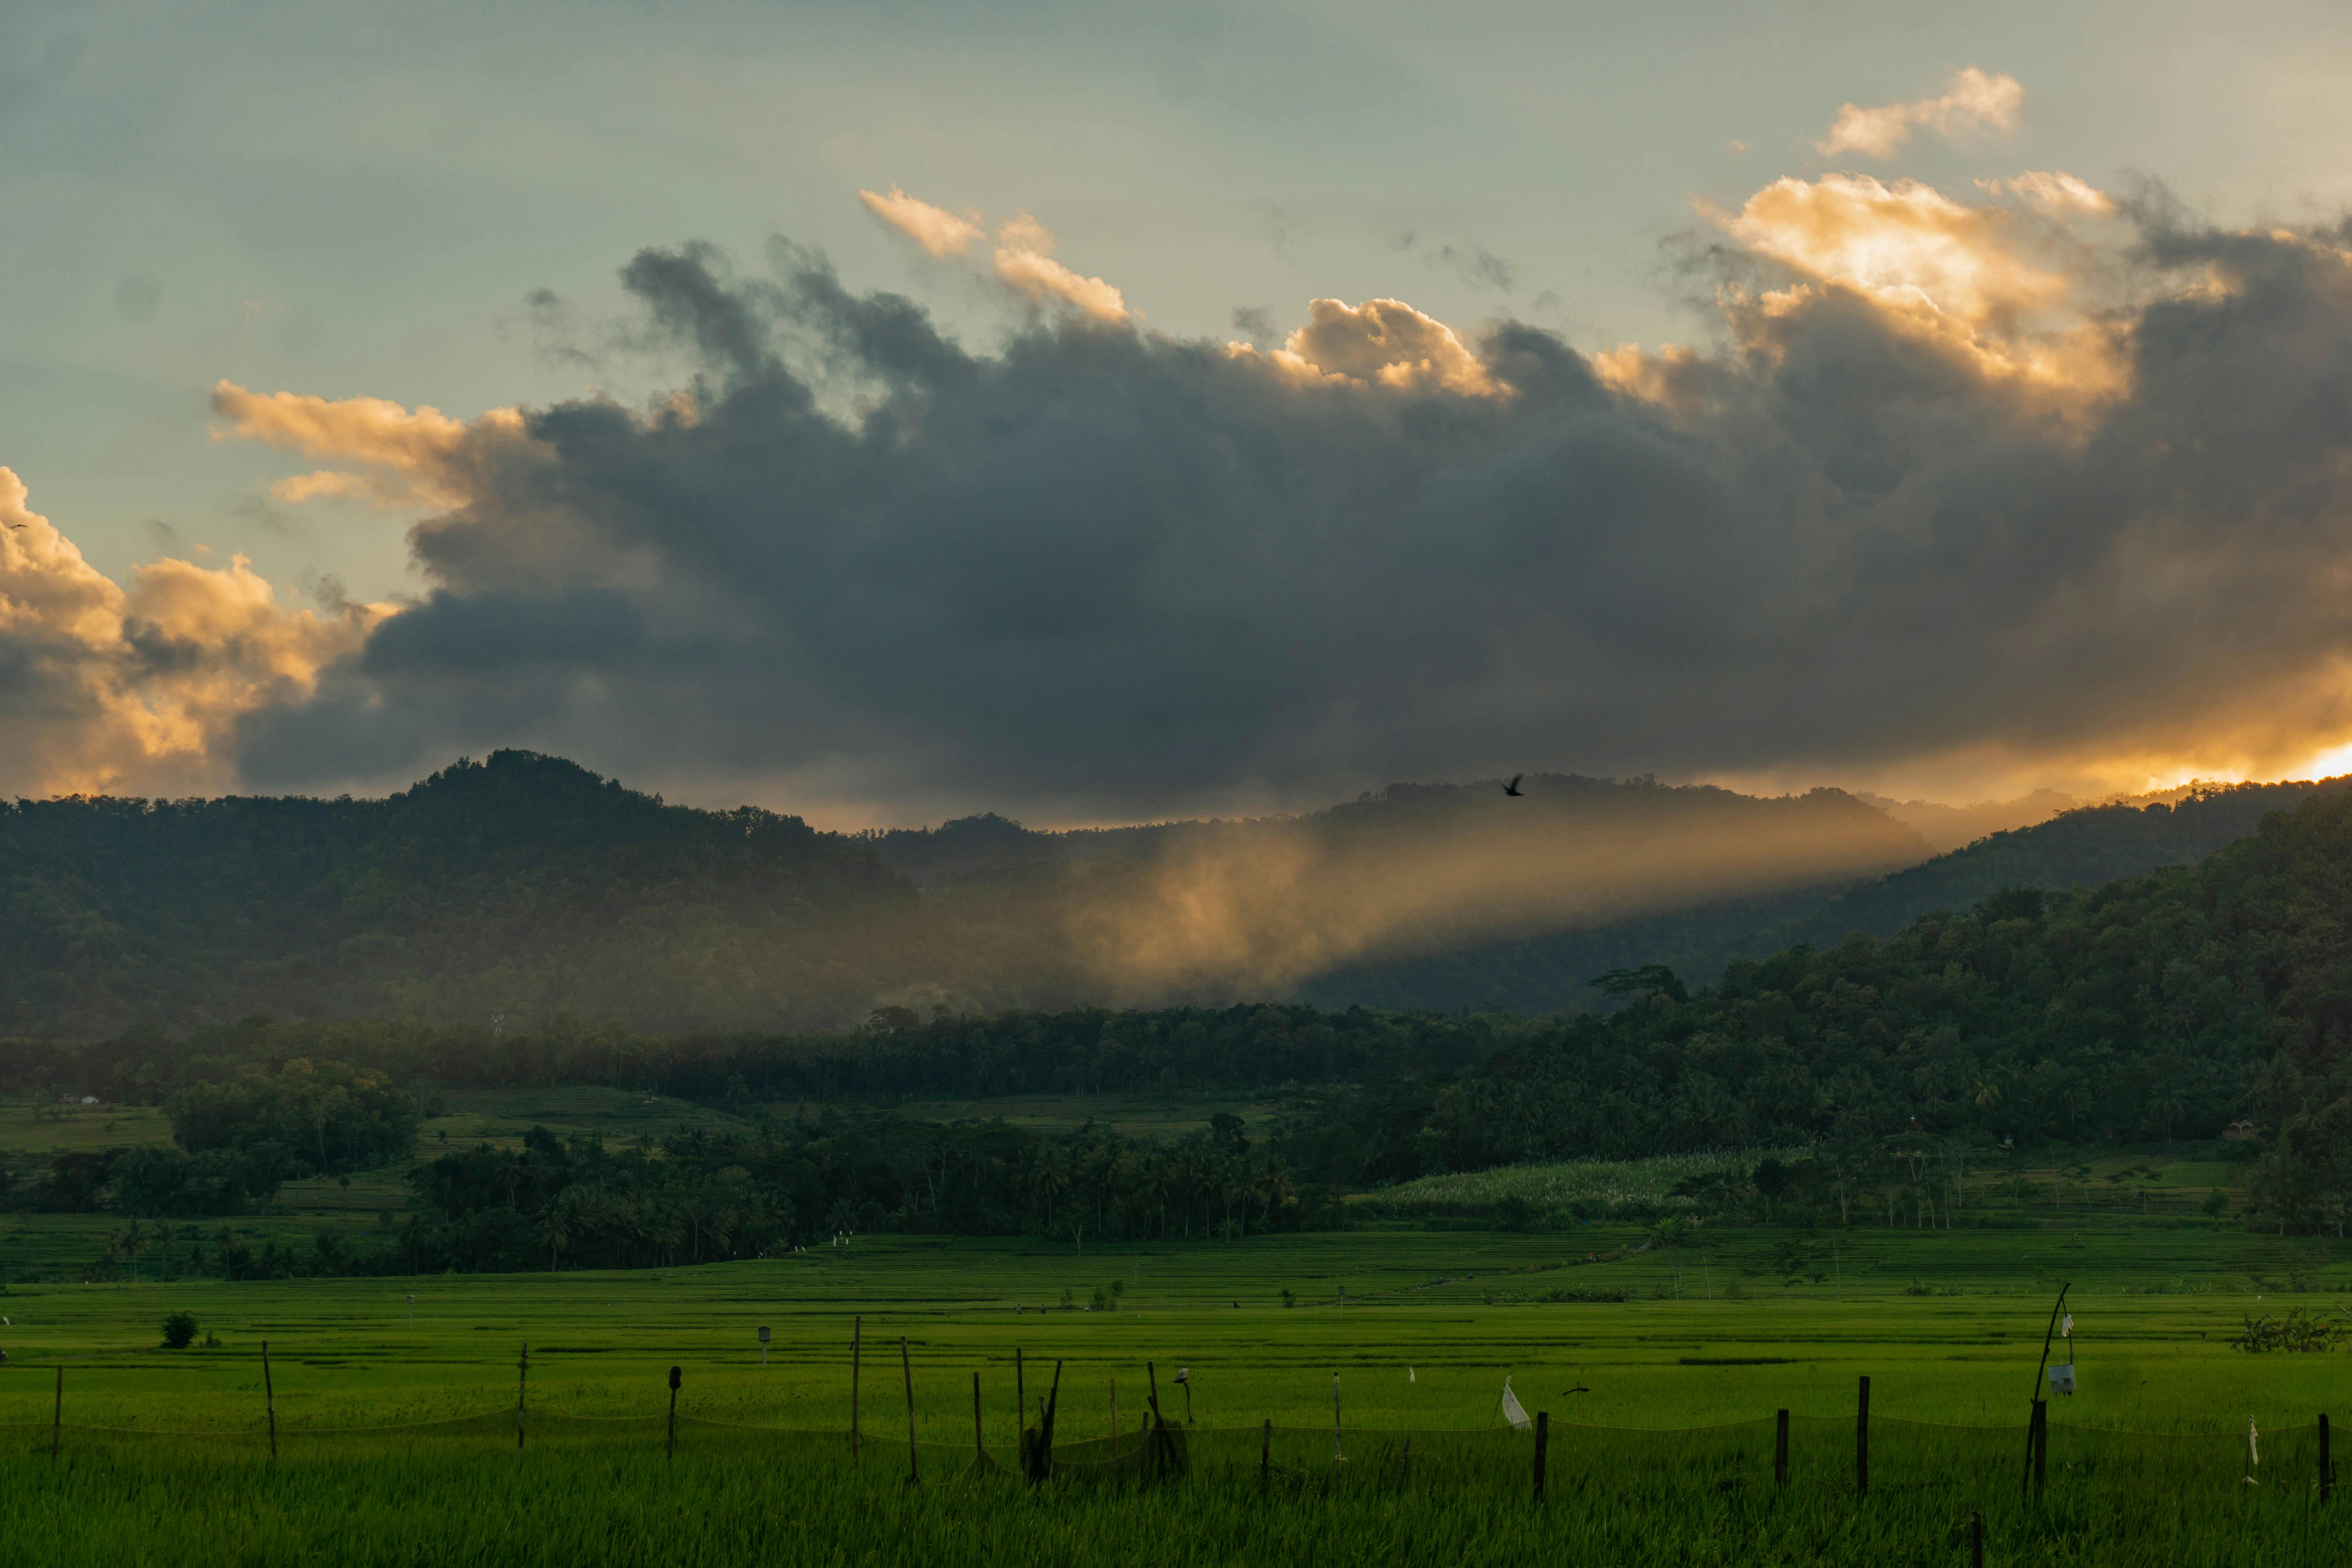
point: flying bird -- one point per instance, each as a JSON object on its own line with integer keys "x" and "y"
{"x": 15, "y": 525}
{"x": 1513, "y": 788}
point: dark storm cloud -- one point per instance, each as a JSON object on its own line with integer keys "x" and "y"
{"x": 1105, "y": 571}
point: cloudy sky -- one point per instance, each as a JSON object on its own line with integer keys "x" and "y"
{"x": 895, "y": 411}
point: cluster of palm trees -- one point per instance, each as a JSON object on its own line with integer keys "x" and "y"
{"x": 1114, "y": 1186}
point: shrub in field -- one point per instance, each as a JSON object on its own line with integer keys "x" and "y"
{"x": 2298, "y": 1331}
{"x": 179, "y": 1332}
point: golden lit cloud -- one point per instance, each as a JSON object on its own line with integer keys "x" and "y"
{"x": 1984, "y": 282}
{"x": 1383, "y": 342}
{"x": 1906, "y": 243}
{"x": 940, "y": 233}
{"x": 413, "y": 458}
{"x": 140, "y": 688}
{"x": 1974, "y": 102}
{"x": 2055, "y": 192}
{"x": 1046, "y": 282}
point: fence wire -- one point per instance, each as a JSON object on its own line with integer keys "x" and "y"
{"x": 1904, "y": 1455}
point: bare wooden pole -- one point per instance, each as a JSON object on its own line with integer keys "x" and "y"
{"x": 2326, "y": 1469}
{"x": 269, "y": 1401}
{"x": 908, "y": 1366}
{"x": 522, "y": 1378}
{"x": 57, "y": 1416}
{"x": 1861, "y": 1441}
{"x": 1780, "y": 1451}
{"x": 977, "y": 1446}
{"x": 1976, "y": 1540}
{"x": 1543, "y": 1441}
{"x": 1337, "y": 1459}
{"x": 856, "y": 1327}
{"x": 671, "y": 1452}
{"x": 1265, "y": 1456}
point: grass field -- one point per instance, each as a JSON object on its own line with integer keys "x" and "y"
{"x": 1660, "y": 1368}
{"x": 1434, "y": 1322}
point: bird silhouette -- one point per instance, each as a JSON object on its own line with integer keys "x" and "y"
{"x": 15, "y": 525}
{"x": 1513, "y": 788}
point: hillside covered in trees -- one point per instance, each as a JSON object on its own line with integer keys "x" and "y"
{"x": 2148, "y": 1009}
{"x": 1548, "y": 972}
{"x": 523, "y": 889}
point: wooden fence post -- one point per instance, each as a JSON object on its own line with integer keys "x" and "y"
{"x": 979, "y": 1447}
{"x": 1861, "y": 1441}
{"x": 58, "y": 1417}
{"x": 522, "y": 1378}
{"x": 1976, "y": 1540}
{"x": 907, "y": 1368}
{"x": 1780, "y": 1450}
{"x": 269, "y": 1401}
{"x": 2326, "y": 1469}
{"x": 1543, "y": 1441}
{"x": 857, "y": 1326}
{"x": 671, "y": 1452}
{"x": 1264, "y": 1447}
{"x": 1020, "y": 1393}
{"x": 2038, "y": 1442}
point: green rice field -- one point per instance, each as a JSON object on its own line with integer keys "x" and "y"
{"x": 397, "y": 1439}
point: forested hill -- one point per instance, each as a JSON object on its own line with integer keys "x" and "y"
{"x": 1550, "y": 973}
{"x": 524, "y": 885}
{"x": 2154, "y": 1007}
{"x": 2150, "y": 1008}
{"x": 523, "y": 890}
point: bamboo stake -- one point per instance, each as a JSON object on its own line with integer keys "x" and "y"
{"x": 1976, "y": 1540}
{"x": 2034, "y": 1425}
{"x": 522, "y": 1377}
{"x": 979, "y": 1447}
{"x": 1780, "y": 1451}
{"x": 57, "y": 1418}
{"x": 857, "y": 1326}
{"x": 907, "y": 1367}
{"x": 1265, "y": 1456}
{"x": 2326, "y": 1469}
{"x": 1543, "y": 1441}
{"x": 269, "y": 1400}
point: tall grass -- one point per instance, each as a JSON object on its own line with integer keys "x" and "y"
{"x": 733, "y": 1495}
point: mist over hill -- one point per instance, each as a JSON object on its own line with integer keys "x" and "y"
{"x": 1550, "y": 971}
{"x": 523, "y": 888}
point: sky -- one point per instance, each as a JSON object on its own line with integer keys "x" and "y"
{"x": 1098, "y": 414}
